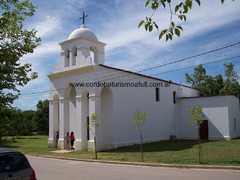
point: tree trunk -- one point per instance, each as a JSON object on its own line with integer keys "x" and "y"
{"x": 141, "y": 148}
{"x": 95, "y": 147}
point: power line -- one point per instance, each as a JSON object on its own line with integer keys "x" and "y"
{"x": 194, "y": 56}
{"x": 147, "y": 69}
{"x": 226, "y": 59}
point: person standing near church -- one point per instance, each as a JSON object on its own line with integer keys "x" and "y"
{"x": 67, "y": 138}
{"x": 72, "y": 138}
{"x": 57, "y": 137}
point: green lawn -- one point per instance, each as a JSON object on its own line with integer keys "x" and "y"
{"x": 170, "y": 152}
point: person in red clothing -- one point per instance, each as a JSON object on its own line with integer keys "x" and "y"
{"x": 72, "y": 138}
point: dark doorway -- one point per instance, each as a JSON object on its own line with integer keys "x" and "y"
{"x": 88, "y": 128}
{"x": 203, "y": 129}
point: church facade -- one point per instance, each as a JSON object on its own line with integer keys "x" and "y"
{"x": 81, "y": 84}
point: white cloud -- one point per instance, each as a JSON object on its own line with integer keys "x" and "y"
{"x": 44, "y": 50}
{"x": 48, "y": 27}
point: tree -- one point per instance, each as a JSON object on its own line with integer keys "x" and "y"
{"x": 41, "y": 116}
{"x": 209, "y": 85}
{"x": 180, "y": 11}
{"x": 139, "y": 121}
{"x": 92, "y": 126}
{"x": 197, "y": 78}
{"x": 219, "y": 83}
{"x": 15, "y": 41}
{"x": 231, "y": 84}
{"x": 11, "y": 122}
{"x": 29, "y": 123}
{"x": 197, "y": 118}
{"x": 4, "y": 122}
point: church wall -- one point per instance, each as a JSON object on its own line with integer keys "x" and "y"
{"x": 219, "y": 111}
{"x": 234, "y": 116}
{"x": 127, "y": 100}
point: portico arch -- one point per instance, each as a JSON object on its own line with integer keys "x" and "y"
{"x": 69, "y": 109}
{"x": 107, "y": 118}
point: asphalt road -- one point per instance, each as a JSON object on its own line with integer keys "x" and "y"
{"x": 51, "y": 169}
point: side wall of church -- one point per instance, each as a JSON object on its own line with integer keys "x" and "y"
{"x": 221, "y": 112}
{"x": 127, "y": 100}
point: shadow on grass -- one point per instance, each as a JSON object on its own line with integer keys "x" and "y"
{"x": 159, "y": 146}
{"x": 28, "y": 137}
{"x": 8, "y": 146}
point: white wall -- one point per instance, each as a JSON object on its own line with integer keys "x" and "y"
{"x": 127, "y": 100}
{"x": 234, "y": 114}
{"x": 218, "y": 110}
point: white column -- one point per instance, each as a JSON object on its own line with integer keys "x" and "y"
{"x": 61, "y": 124}
{"x": 51, "y": 132}
{"x": 94, "y": 107}
{"x": 81, "y": 129}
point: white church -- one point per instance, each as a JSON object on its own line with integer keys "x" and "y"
{"x": 81, "y": 84}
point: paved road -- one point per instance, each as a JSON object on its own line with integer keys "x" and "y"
{"x": 50, "y": 169}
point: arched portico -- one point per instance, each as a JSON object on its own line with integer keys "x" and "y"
{"x": 53, "y": 120}
{"x": 107, "y": 118}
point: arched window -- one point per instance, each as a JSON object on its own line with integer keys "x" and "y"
{"x": 93, "y": 55}
{"x": 74, "y": 57}
{"x": 67, "y": 56}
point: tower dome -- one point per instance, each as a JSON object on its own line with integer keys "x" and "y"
{"x": 83, "y": 31}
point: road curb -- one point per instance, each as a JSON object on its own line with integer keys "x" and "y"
{"x": 148, "y": 164}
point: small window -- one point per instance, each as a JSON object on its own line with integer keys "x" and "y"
{"x": 92, "y": 57}
{"x": 157, "y": 94}
{"x": 67, "y": 59}
{"x": 75, "y": 54}
{"x": 68, "y": 54}
{"x": 174, "y": 97}
{"x": 74, "y": 58}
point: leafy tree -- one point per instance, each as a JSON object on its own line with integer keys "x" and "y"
{"x": 4, "y": 122}
{"x": 92, "y": 126}
{"x": 15, "y": 41}
{"x": 139, "y": 121}
{"x": 209, "y": 85}
{"x": 29, "y": 123}
{"x": 41, "y": 116}
{"x": 219, "y": 83}
{"x": 180, "y": 11}
{"x": 196, "y": 79}
{"x": 197, "y": 118}
{"x": 10, "y": 121}
{"x": 231, "y": 84}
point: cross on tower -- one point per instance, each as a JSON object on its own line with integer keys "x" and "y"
{"x": 83, "y": 17}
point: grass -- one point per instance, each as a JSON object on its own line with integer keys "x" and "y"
{"x": 171, "y": 152}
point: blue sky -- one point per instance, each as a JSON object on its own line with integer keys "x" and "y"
{"x": 115, "y": 22}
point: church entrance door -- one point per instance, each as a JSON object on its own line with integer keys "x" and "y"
{"x": 204, "y": 130}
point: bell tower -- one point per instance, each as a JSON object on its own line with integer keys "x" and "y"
{"x": 81, "y": 49}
